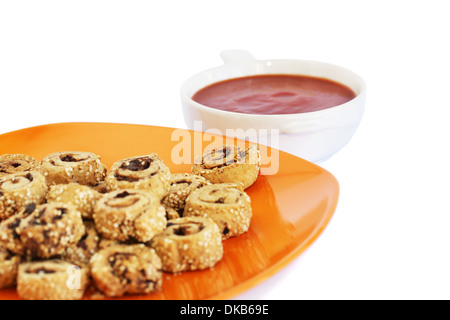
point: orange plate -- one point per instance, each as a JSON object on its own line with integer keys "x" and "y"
{"x": 290, "y": 208}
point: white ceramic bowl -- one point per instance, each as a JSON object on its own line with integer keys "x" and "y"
{"x": 314, "y": 136}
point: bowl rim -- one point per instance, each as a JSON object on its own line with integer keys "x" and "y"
{"x": 359, "y": 96}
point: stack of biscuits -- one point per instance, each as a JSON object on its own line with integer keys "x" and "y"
{"x": 67, "y": 223}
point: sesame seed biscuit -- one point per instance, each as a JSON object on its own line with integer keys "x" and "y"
{"x": 229, "y": 207}
{"x": 189, "y": 243}
{"x": 121, "y": 269}
{"x": 229, "y": 163}
{"x": 73, "y": 166}
{"x": 82, "y": 197}
{"x": 181, "y": 185}
{"x": 146, "y": 172}
{"x": 51, "y": 280}
{"x": 9, "y": 238}
{"x": 129, "y": 214}
{"x": 20, "y": 189}
{"x": 9, "y": 264}
{"x": 50, "y": 229}
{"x": 14, "y": 163}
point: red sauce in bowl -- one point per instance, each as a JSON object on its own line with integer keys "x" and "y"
{"x": 274, "y": 94}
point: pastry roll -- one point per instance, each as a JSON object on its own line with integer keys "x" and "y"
{"x": 189, "y": 243}
{"x": 14, "y": 163}
{"x": 82, "y": 197}
{"x": 73, "y": 166}
{"x": 20, "y": 189}
{"x": 50, "y": 229}
{"x": 146, "y": 172}
{"x": 229, "y": 207}
{"x": 181, "y": 185}
{"x": 121, "y": 269}
{"x": 51, "y": 280}
{"x": 9, "y": 264}
{"x": 129, "y": 214}
{"x": 8, "y": 230}
{"x": 229, "y": 163}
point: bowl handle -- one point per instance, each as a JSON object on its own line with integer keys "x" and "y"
{"x": 236, "y": 56}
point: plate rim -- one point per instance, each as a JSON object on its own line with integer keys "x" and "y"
{"x": 267, "y": 272}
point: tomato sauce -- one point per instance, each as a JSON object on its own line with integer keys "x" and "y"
{"x": 274, "y": 94}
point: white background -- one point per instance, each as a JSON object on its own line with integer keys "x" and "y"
{"x": 124, "y": 61}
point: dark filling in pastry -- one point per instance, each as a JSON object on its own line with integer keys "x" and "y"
{"x": 186, "y": 228}
{"x": 36, "y": 219}
{"x": 221, "y": 158}
{"x": 4, "y": 167}
{"x": 7, "y": 255}
{"x": 123, "y": 266}
{"x": 220, "y": 200}
{"x": 30, "y": 208}
{"x": 138, "y": 164}
{"x": 119, "y": 257}
{"x": 182, "y": 181}
{"x": 217, "y": 155}
{"x": 10, "y": 164}
{"x": 221, "y": 196}
{"x": 123, "y": 199}
{"x": 82, "y": 242}
{"x": 41, "y": 270}
{"x": 123, "y": 194}
{"x": 126, "y": 178}
{"x": 62, "y": 211}
{"x": 12, "y": 226}
{"x": 71, "y": 158}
